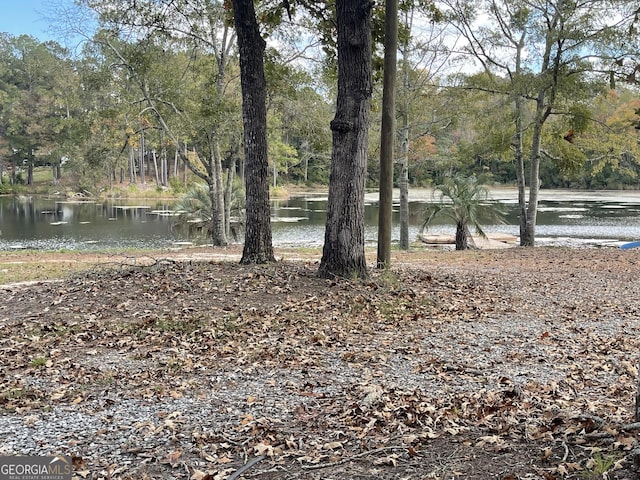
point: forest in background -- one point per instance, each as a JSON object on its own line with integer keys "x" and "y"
{"x": 85, "y": 112}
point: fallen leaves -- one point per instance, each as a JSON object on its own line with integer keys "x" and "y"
{"x": 293, "y": 368}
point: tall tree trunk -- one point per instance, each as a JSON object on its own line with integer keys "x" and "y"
{"x": 520, "y": 171}
{"x": 403, "y": 184}
{"x": 217, "y": 197}
{"x": 403, "y": 154}
{"x": 517, "y": 145}
{"x": 258, "y": 247}
{"x": 176, "y": 172}
{"x": 387, "y": 135}
{"x": 141, "y": 171}
{"x": 164, "y": 165}
{"x": 275, "y": 174}
{"x": 132, "y": 166}
{"x": 155, "y": 167}
{"x": 30, "y": 170}
{"x": 228, "y": 192}
{"x": 343, "y": 253}
{"x": 56, "y": 171}
{"x": 528, "y": 237}
{"x": 185, "y": 170}
{"x": 14, "y": 173}
{"x": 305, "y": 159}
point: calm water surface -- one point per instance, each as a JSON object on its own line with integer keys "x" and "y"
{"x": 564, "y": 217}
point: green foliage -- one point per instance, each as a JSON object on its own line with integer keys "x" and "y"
{"x": 194, "y": 208}
{"x": 580, "y": 117}
{"x": 88, "y": 109}
{"x": 465, "y": 202}
{"x": 177, "y": 185}
{"x": 6, "y": 188}
{"x": 278, "y": 192}
{"x": 599, "y": 465}
{"x": 39, "y": 362}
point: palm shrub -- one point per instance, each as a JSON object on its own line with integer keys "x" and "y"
{"x": 195, "y": 210}
{"x": 466, "y": 202}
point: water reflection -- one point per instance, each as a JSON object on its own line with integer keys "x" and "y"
{"x": 563, "y": 217}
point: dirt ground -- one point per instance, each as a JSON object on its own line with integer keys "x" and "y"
{"x": 504, "y": 364}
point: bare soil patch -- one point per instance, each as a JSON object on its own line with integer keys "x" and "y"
{"x": 506, "y": 364}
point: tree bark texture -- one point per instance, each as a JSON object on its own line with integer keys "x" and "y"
{"x": 403, "y": 154}
{"x": 343, "y": 253}
{"x": 403, "y": 184}
{"x": 218, "y": 213}
{"x": 462, "y": 237}
{"x": 258, "y": 247}
{"x": 387, "y": 135}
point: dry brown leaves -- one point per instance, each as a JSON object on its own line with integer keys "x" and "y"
{"x": 504, "y": 364}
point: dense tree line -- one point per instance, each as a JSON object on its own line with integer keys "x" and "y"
{"x": 536, "y": 94}
{"x": 84, "y": 109}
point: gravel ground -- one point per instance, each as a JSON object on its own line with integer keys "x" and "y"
{"x": 518, "y": 363}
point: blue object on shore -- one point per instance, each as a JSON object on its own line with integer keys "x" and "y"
{"x": 627, "y": 246}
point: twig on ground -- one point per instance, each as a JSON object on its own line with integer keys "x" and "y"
{"x": 352, "y": 458}
{"x": 246, "y": 467}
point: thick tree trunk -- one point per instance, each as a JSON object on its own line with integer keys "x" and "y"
{"x": 258, "y": 246}
{"x": 343, "y": 253}
{"x": 462, "y": 237}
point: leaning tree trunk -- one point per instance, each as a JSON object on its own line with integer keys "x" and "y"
{"x": 258, "y": 247}
{"x": 343, "y": 254}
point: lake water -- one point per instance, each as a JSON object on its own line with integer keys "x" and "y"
{"x": 565, "y": 217}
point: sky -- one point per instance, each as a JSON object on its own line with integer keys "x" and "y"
{"x": 32, "y": 17}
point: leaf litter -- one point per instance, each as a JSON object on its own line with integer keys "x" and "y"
{"x": 503, "y": 364}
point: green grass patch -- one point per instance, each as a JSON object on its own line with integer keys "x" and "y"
{"x": 38, "y": 362}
